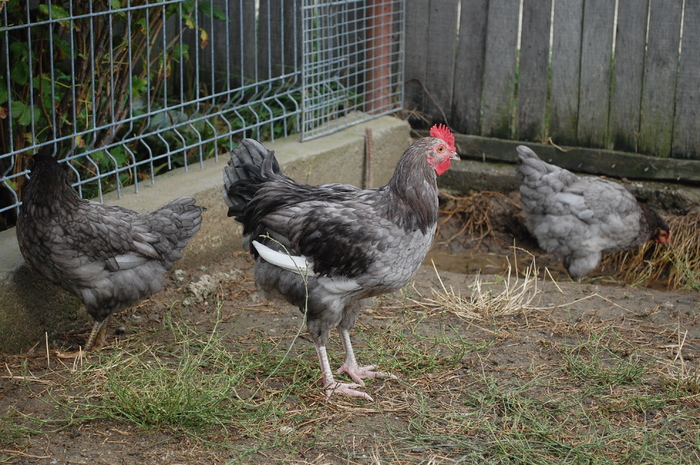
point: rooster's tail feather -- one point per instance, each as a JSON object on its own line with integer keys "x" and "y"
{"x": 250, "y": 166}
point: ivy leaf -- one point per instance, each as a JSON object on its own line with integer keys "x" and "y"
{"x": 210, "y": 10}
{"x": 120, "y": 155}
{"x": 56, "y": 12}
{"x": 21, "y": 112}
{"x": 19, "y": 73}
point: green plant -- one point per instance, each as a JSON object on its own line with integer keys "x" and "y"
{"x": 598, "y": 360}
{"x": 82, "y": 76}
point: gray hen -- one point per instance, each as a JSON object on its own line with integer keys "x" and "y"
{"x": 340, "y": 243}
{"x": 108, "y": 256}
{"x": 579, "y": 218}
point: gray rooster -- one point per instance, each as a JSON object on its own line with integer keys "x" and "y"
{"x": 325, "y": 248}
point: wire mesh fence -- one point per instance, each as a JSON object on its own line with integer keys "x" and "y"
{"x": 352, "y": 62}
{"x": 122, "y": 90}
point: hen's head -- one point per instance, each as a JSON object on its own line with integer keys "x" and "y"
{"x": 660, "y": 232}
{"x": 662, "y": 236}
{"x": 443, "y": 151}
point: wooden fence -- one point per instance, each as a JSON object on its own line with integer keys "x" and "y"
{"x": 584, "y": 75}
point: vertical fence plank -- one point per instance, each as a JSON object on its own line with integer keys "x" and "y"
{"x": 499, "y": 68}
{"x": 686, "y": 131}
{"x": 417, "y": 22}
{"x": 626, "y": 101}
{"x": 242, "y": 49}
{"x": 534, "y": 65}
{"x": 566, "y": 66}
{"x": 469, "y": 67}
{"x": 216, "y": 58}
{"x": 439, "y": 74}
{"x": 658, "y": 91}
{"x": 596, "y": 71}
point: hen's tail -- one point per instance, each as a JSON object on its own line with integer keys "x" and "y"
{"x": 529, "y": 164}
{"x": 535, "y": 173}
{"x": 250, "y": 167}
{"x": 190, "y": 219}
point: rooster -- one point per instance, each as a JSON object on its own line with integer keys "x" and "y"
{"x": 580, "y": 218}
{"x": 108, "y": 256}
{"x": 325, "y": 248}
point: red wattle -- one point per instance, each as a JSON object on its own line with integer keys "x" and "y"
{"x": 443, "y": 166}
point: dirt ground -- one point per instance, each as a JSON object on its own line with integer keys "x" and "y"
{"x": 350, "y": 431}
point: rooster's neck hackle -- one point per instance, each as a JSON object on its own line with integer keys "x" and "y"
{"x": 413, "y": 194}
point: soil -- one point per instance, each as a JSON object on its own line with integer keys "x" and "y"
{"x": 654, "y": 319}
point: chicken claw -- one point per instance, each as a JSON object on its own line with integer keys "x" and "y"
{"x": 359, "y": 373}
{"x": 348, "y": 389}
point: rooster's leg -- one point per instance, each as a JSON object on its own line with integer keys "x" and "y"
{"x": 329, "y": 382}
{"x": 350, "y": 367}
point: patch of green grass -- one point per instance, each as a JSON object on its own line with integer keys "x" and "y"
{"x": 491, "y": 421}
{"x": 604, "y": 359}
{"x": 191, "y": 387}
{"x": 398, "y": 348}
{"x": 197, "y": 384}
{"x": 10, "y": 433}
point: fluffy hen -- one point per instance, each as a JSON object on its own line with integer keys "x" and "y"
{"x": 580, "y": 218}
{"x": 108, "y": 256}
{"x": 324, "y": 248}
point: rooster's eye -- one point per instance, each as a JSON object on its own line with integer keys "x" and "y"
{"x": 441, "y": 149}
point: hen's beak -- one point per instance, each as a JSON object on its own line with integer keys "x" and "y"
{"x": 454, "y": 156}
{"x": 663, "y": 237}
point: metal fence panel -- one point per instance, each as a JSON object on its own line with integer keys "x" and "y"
{"x": 123, "y": 90}
{"x": 352, "y": 62}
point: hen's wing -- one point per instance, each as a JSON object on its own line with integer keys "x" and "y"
{"x": 123, "y": 239}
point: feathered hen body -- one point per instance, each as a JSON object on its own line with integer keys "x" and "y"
{"x": 324, "y": 248}
{"x": 580, "y": 218}
{"x": 108, "y": 256}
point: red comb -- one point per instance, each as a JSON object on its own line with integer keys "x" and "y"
{"x": 442, "y": 132}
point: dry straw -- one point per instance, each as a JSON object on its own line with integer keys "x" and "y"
{"x": 474, "y": 212}
{"x": 504, "y": 295}
{"x": 677, "y": 266}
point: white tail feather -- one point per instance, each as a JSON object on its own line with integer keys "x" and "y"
{"x": 295, "y": 263}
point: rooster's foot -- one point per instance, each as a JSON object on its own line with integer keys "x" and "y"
{"x": 359, "y": 373}
{"x": 348, "y": 389}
